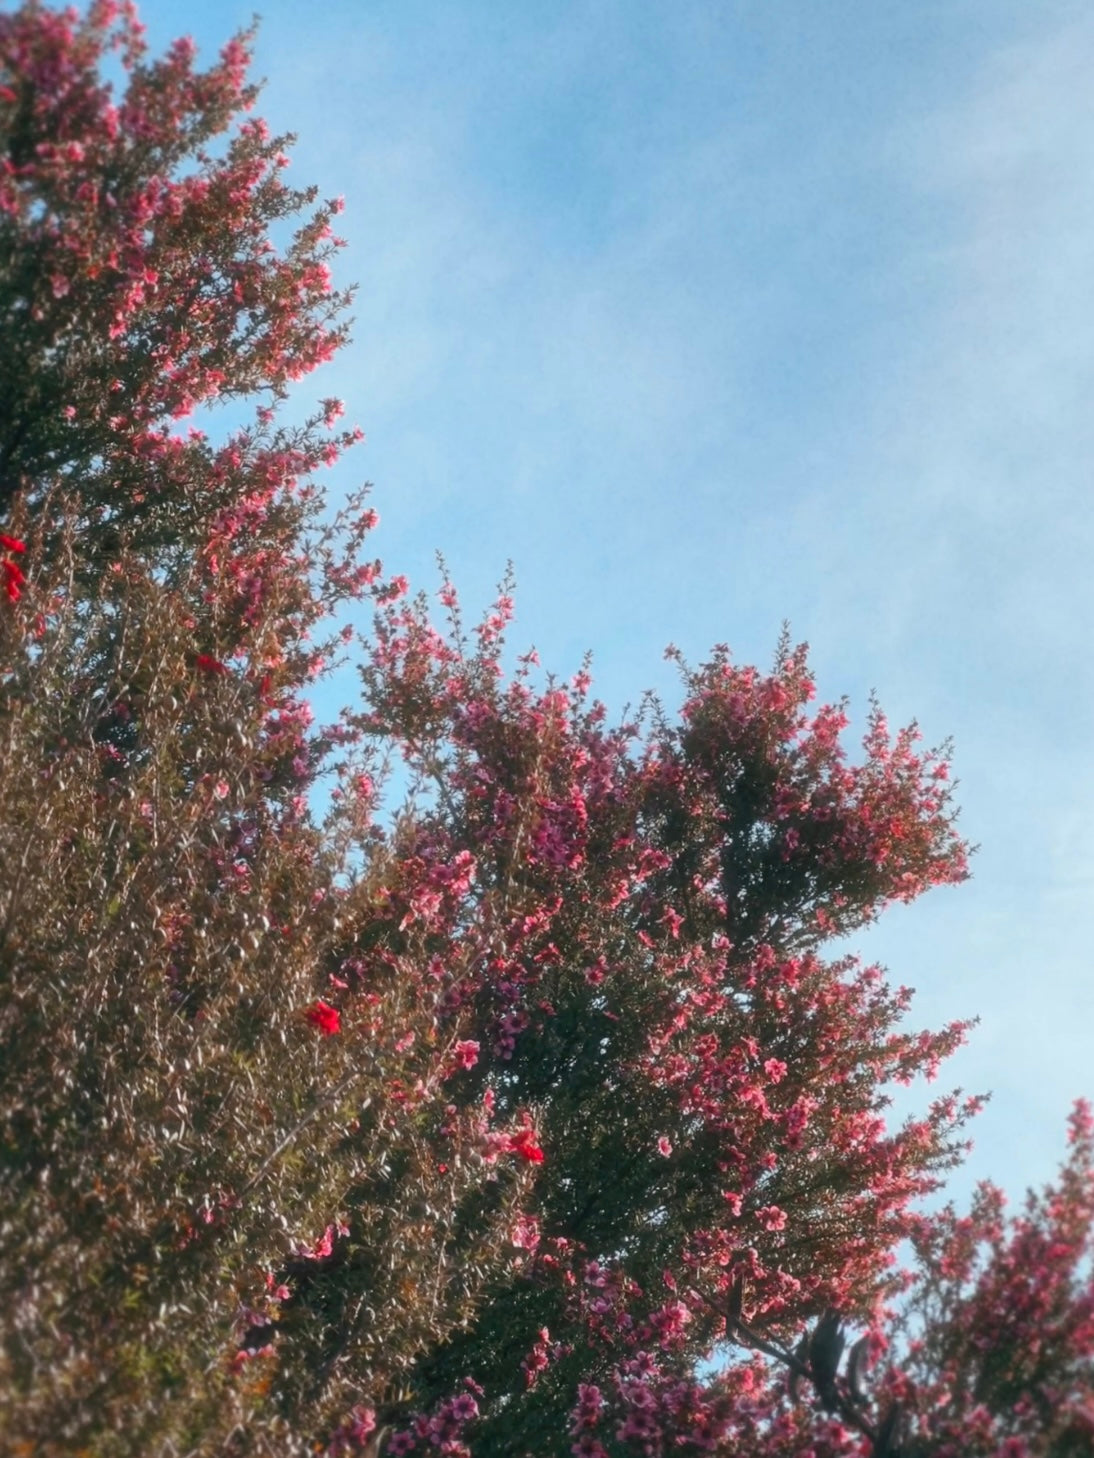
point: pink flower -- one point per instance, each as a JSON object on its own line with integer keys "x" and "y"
{"x": 664, "y": 1146}
{"x": 525, "y": 1232}
{"x": 467, "y": 1053}
{"x": 324, "y": 1017}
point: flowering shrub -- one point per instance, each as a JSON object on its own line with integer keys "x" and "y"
{"x": 646, "y": 962}
{"x": 991, "y": 1356}
{"x": 473, "y": 1124}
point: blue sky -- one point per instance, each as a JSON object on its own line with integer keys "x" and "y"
{"x": 711, "y": 315}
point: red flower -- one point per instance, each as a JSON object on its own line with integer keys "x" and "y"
{"x": 208, "y": 664}
{"x": 326, "y": 1018}
{"x": 13, "y": 576}
{"x": 523, "y": 1142}
{"x": 13, "y": 573}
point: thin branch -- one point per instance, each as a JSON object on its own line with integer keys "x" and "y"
{"x": 737, "y": 1330}
{"x": 321, "y": 1104}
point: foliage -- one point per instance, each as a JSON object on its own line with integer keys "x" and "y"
{"x": 485, "y": 1121}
